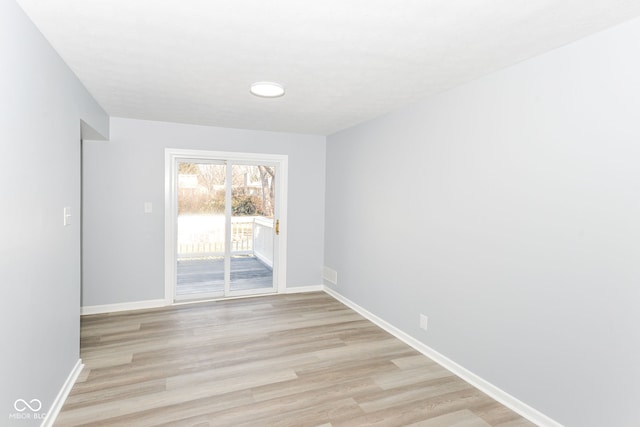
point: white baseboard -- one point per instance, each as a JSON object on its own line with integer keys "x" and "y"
{"x": 486, "y": 387}
{"x": 56, "y": 406}
{"x": 304, "y": 289}
{"x": 155, "y": 303}
{"x": 125, "y": 306}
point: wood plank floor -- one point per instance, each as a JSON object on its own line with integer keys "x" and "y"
{"x": 281, "y": 360}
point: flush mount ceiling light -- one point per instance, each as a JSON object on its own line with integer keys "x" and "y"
{"x": 267, "y": 89}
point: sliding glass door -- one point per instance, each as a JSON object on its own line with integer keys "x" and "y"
{"x": 252, "y": 227}
{"x": 226, "y": 227}
{"x": 201, "y": 229}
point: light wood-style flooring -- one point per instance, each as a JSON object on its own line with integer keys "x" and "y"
{"x": 281, "y": 360}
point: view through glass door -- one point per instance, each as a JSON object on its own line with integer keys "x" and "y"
{"x": 225, "y": 228}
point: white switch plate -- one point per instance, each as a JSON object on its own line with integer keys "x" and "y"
{"x": 148, "y": 207}
{"x": 66, "y": 216}
{"x": 423, "y": 322}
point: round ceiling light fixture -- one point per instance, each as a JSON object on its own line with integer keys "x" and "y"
{"x": 267, "y": 89}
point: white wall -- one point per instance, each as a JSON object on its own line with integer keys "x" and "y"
{"x": 124, "y": 247}
{"x": 41, "y": 108}
{"x": 508, "y": 211}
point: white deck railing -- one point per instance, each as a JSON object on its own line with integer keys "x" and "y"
{"x": 203, "y": 236}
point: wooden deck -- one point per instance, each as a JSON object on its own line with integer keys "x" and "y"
{"x": 206, "y": 276}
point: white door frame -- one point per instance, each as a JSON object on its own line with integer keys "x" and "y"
{"x": 170, "y": 209}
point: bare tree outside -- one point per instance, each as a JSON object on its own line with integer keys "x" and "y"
{"x": 267, "y": 179}
{"x": 202, "y": 189}
{"x": 211, "y": 176}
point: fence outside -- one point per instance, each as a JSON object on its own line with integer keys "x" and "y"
{"x": 204, "y": 236}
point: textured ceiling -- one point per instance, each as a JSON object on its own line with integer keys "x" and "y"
{"x": 341, "y": 61}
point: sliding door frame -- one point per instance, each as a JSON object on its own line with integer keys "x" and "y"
{"x": 172, "y": 156}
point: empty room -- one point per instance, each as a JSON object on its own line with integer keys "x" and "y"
{"x": 339, "y": 213}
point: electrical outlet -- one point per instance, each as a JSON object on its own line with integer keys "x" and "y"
{"x": 423, "y": 322}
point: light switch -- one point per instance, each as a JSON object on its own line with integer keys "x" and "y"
{"x": 67, "y": 216}
{"x": 148, "y": 207}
